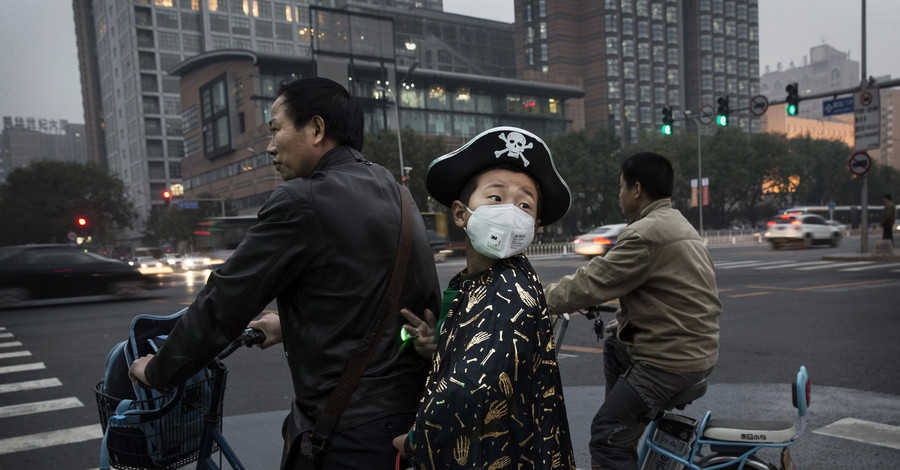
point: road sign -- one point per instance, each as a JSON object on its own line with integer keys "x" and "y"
{"x": 860, "y": 163}
{"x": 867, "y": 119}
{"x": 758, "y": 105}
{"x": 707, "y": 113}
{"x": 837, "y": 106}
{"x": 188, "y": 205}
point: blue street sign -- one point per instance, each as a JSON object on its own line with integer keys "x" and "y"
{"x": 838, "y": 106}
{"x": 188, "y": 205}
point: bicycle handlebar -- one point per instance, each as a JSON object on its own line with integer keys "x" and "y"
{"x": 248, "y": 338}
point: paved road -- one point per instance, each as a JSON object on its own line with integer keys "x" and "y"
{"x": 782, "y": 309}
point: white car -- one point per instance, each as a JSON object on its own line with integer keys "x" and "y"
{"x": 803, "y": 230}
{"x": 194, "y": 262}
{"x": 598, "y": 241}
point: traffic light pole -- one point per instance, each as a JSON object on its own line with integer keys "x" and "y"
{"x": 687, "y": 116}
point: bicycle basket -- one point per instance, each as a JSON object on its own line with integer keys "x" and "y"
{"x": 144, "y": 434}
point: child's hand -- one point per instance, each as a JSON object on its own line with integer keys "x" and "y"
{"x": 421, "y": 332}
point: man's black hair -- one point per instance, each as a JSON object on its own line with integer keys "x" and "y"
{"x": 887, "y": 196}
{"x": 653, "y": 171}
{"x": 317, "y": 96}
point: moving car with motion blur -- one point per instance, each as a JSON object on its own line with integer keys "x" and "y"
{"x": 194, "y": 262}
{"x": 803, "y": 230}
{"x": 31, "y": 272}
{"x": 598, "y": 241}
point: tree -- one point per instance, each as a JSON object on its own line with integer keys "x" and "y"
{"x": 41, "y": 204}
{"x": 418, "y": 152}
{"x": 590, "y": 166}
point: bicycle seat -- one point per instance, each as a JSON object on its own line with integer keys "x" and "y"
{"x": 750, "y": 431}
{"x": 686, "y": 396}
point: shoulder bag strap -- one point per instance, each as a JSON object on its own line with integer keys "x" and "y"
{"x": 327, "y": 421}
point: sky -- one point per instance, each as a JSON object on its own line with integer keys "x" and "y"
{"x": 39, "y": 74}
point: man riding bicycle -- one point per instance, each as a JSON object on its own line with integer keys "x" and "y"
{"x": 668, "y": 327}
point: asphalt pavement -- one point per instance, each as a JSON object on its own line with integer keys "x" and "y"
{"x": 843, "y": 430}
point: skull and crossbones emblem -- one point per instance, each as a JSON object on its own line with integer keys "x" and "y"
{"x": 515, "y": 146}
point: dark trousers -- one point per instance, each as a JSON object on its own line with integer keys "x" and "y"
{"x": 887, "y": 232}
{"x": 635, "y": 393}
{"x": 367, "y": 446}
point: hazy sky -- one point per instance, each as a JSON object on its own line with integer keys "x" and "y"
{"x": 39, "y": 61}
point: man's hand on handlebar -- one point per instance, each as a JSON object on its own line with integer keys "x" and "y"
{"x": 269, "y": 324}
{"x": 136, "y": 371}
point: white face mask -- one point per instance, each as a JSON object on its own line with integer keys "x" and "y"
{"x": 500, "y": 230}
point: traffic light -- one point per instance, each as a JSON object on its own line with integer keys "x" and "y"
{"x": 722, "y": 112}
{"x": 167, "y": 196}
{"x": 667, "y": 121}
{"x": 82, "y": 222}
{"x": 792, "y": 99}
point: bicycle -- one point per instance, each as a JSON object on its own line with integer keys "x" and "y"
{"x": 173, "y": 430}
{"x": 674, "y": 442}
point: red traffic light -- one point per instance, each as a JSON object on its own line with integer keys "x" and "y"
{"x": 82, "y": 221}
{"x": 167, "y": 194}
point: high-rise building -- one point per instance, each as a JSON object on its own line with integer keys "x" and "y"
{"x": 635, "y": 57}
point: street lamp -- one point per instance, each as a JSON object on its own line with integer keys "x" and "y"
{"x": 397, "y": 86}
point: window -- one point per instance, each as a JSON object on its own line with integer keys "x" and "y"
{"x": 612, "y": 23}
{"x": 612, "y": 67}
{"x": 612, "y": 46}
{"x": 167, "y": 19}
{"x": 214, "y": 109}
{"x": 151, "y": 105}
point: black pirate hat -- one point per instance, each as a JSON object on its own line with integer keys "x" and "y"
{"x": 448, "y": 174}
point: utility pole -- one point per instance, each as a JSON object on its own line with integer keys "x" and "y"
{"x": 864, "y": 202}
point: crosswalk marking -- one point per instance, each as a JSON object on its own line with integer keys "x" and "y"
{"x": 50, "y": 439}
{"x": 833, "y": 263}
{"x": 10, "y": 344}
{"x": 752, "y": 264}
{"x": 22, "y": 367}
{"x": 863, "y": 431}
{"x": 15, "y": 354}
{"x": 30, "y": 385}
{"x": 877, "y": 266}
{"x": 793, "y": 265}
{"x": 39, "y": 407}
{"x": 6, "y": 335}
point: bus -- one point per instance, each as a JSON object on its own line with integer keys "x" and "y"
{"x": 218, "y": 237}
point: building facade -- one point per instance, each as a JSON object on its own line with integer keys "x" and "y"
{"x": 227, "y": 96}
{"x": 126, "y": 50}
{"x": 636, "y": 57}
{"x": 27, "y": 140}
{"x": 826, "y": 69}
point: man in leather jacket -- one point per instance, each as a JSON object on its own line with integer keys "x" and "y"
{"x": 324, "y": 247}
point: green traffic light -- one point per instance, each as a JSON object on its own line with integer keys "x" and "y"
{"x": 792, "y": 110}
{"x": 722, "y": 120}
{"x": 666, "y": 129}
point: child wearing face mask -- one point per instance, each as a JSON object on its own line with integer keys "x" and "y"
{"x": 493, "y": 398}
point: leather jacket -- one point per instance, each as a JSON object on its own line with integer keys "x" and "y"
{"x": 324, "y": 246}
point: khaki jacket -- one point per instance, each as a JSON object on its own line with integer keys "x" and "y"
{"x": 665, "y": 281}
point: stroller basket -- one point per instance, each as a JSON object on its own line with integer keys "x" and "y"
{"x": 169, "y": 441}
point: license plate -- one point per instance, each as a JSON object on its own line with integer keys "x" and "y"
{"x": 786, "y": 462}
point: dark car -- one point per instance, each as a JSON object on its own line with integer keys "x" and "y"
{"x": 54, "y": 271}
